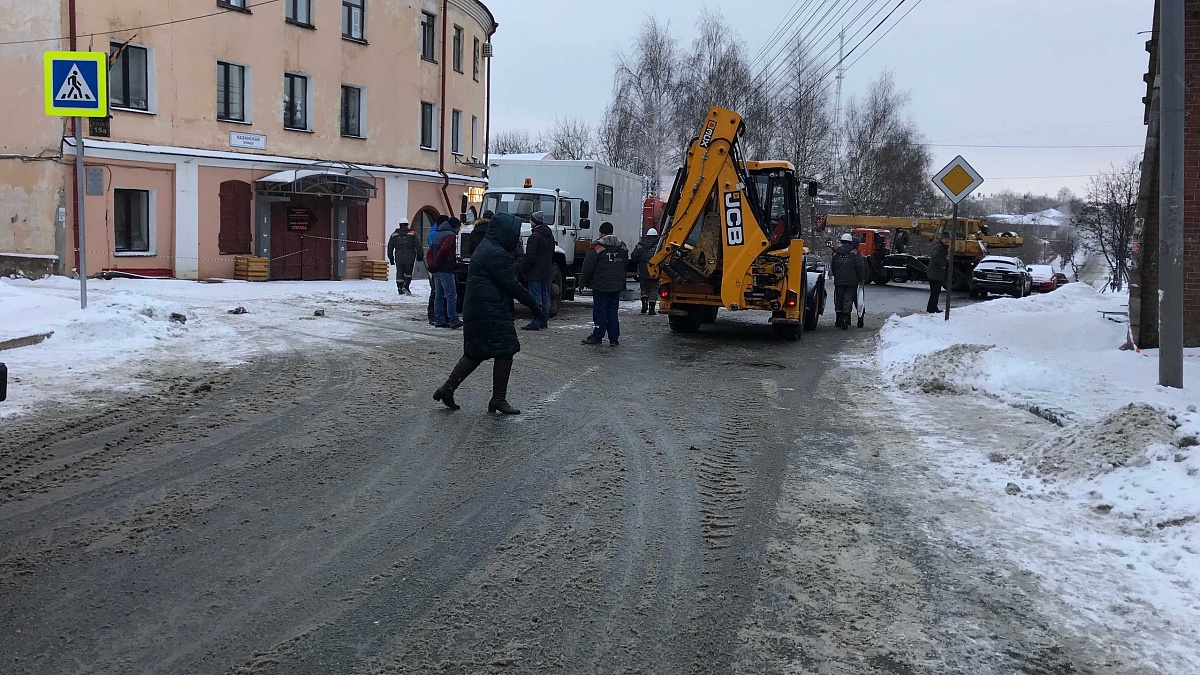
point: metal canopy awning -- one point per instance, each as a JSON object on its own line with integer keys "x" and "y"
{"x": 322, "y": 180}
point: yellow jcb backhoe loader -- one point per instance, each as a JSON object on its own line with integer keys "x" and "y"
{"x": 730, "y": 237}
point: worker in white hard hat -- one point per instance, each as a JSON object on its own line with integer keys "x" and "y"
{"x": 641, "y": 257}
{"x": 849, "y": 270}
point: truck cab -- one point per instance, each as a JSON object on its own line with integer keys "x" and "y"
{"x": 567, "y": 218}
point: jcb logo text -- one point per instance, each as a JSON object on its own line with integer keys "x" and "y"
{"x": 734, "y": 235}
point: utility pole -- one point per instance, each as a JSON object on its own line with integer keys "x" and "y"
{"x": 837, "y": 110}
{"x": 1171, "y": 158}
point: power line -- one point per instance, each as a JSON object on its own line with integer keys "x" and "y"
{"x": 133, "y": 28}
{"x": 1027, "y": 147}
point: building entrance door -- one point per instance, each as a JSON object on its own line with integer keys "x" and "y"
{"x": 302, "y": 239}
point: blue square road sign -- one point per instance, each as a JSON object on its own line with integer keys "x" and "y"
{"x": 76, "y": 84}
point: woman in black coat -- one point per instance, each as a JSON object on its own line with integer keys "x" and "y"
{"x": 488, "y": 331}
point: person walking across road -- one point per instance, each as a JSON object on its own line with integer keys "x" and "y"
{"x": 849, "y": 270}
{"x": 641, "y": 257}
{"x": 429, "y": 243}
{"x": 403, "y": 250}
{"x": 939, "y": 265}
{"x": 604, "y": 272}
{"x": 537, "y": 267}
{"x": 442, "y": 262}
{"x": 488, "y": 331}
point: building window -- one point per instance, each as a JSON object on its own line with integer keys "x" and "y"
{"x": 456, "y": 132}
{"x": 475, "y": 61}
{"x": 298, "y": 12}
{"x": 295, "y": 102}
{"x": 234, "y": 237}
{"x": 353, "y": 27}
{"x": 231, "y": 92}
{"x": 234, "y": 4}
{"x": 352, "y": 109}
{"x": 474, "y": 136}
{"x": 427, "y": 110}
{"x": 356, "y": 227}
{"x": 129, "y": 77}
{"x": 428, "y": 36}
{"x": 458, "y": 49}
{"x": 131, "y": 221}
{"x": 604, "y": 199}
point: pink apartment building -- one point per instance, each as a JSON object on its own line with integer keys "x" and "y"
{"x": 296, "y": 130}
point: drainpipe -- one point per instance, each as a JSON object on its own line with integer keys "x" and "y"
{"x": 74, "y": 121}
{"x": 442, "y": 140}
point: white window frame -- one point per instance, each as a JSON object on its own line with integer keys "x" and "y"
{"x": 456, "y": 132}
{"x": 308, "y": 103}
{"x": 433, "y": 119}
{"x": 234, "y": 4}
{"x": 458, "y": 46}
{"x": 151, "y": 81}
{"x": 475, "y": 52}
{"x": 247, "y": 94}
{"x": 362, "y": 25}
{"x": 151, "y": 224}
{"x": 362, "y": 111}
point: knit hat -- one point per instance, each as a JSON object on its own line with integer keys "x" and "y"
{"x": 606, "y": 227}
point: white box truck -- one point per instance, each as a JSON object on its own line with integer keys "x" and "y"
{"x": 577, "y": 195}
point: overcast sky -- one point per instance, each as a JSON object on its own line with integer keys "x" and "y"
{"x": 980, "y": 72}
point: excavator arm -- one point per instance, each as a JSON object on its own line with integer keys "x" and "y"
{"x": 712, "y": 228}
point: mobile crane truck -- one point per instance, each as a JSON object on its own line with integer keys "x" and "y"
{"x": 972, "y": 244}
{"x": 730, "y": 237}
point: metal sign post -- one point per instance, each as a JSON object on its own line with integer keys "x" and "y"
{"x": 77, "y": 86}
{"x": 957, "y": 180}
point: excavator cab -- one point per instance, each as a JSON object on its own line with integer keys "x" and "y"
{"x": 773, "y": 185}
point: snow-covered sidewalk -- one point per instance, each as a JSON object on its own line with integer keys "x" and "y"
{"x": 132, "y": 326}
{"x": 1099, "y": 500}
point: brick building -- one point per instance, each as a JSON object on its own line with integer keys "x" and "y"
{"x": 1144, "y": 287}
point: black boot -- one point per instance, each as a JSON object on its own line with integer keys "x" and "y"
{"x": 462, "y": 369}
{"x": 400, "y": 287}
{"x": 652, "y": 304}
{"x": 845, "y": 320}
{"x": 501, "y": 369}
{"x": 645, "y": 305}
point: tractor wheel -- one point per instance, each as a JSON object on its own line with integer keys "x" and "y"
{"x": 686, "y": 324}
{"x": 708, "y": 314}
{"x": 812, "y": 313}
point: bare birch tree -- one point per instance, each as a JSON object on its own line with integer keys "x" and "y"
{"x": 885, "y": 168}
{"x": 1110, "y": 216}
{"x": 513, "y": 142}
{"x": 636, "y": 134}
{"x": 805, "y": 123}
{"x": 570, "y": 138}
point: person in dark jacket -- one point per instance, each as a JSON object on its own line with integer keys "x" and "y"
{"x": 938, "y": 267}
{"x": 849, "y": 270}
{"x": 443, "y": 260}
{"x": 604, "y": 272}
{"x": 480, "y": 231}
{"x": 899, "y": 241}
{"x": 403, "y": 250}
{"x": 641, "y": 257}
{"x": 537, "y": 267}
{"x": 488, "y": 331}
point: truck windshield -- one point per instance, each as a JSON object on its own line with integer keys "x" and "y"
{"x": 520, "y": 205}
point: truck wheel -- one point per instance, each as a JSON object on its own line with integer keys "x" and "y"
{"x": 556, "y": 291}
{"x": 685, "y": 324}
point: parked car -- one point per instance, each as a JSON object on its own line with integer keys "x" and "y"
{"x": 1002, "y": 275}
{"x": 1043, "y": 278}
{"x": 1060, "y": 279}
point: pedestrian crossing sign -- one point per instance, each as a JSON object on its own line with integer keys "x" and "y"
{"x": 76, "y": 84}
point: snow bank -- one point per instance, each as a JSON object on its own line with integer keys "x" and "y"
{"x": 132, "y": 326}
{"x": 1104, "y": 508}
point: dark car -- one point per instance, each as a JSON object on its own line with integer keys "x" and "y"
{"x": 1001, "y": 275}
{"x": 1060, "y": 279}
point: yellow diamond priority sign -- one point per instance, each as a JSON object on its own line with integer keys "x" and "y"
{"x": 958, "y": 180}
